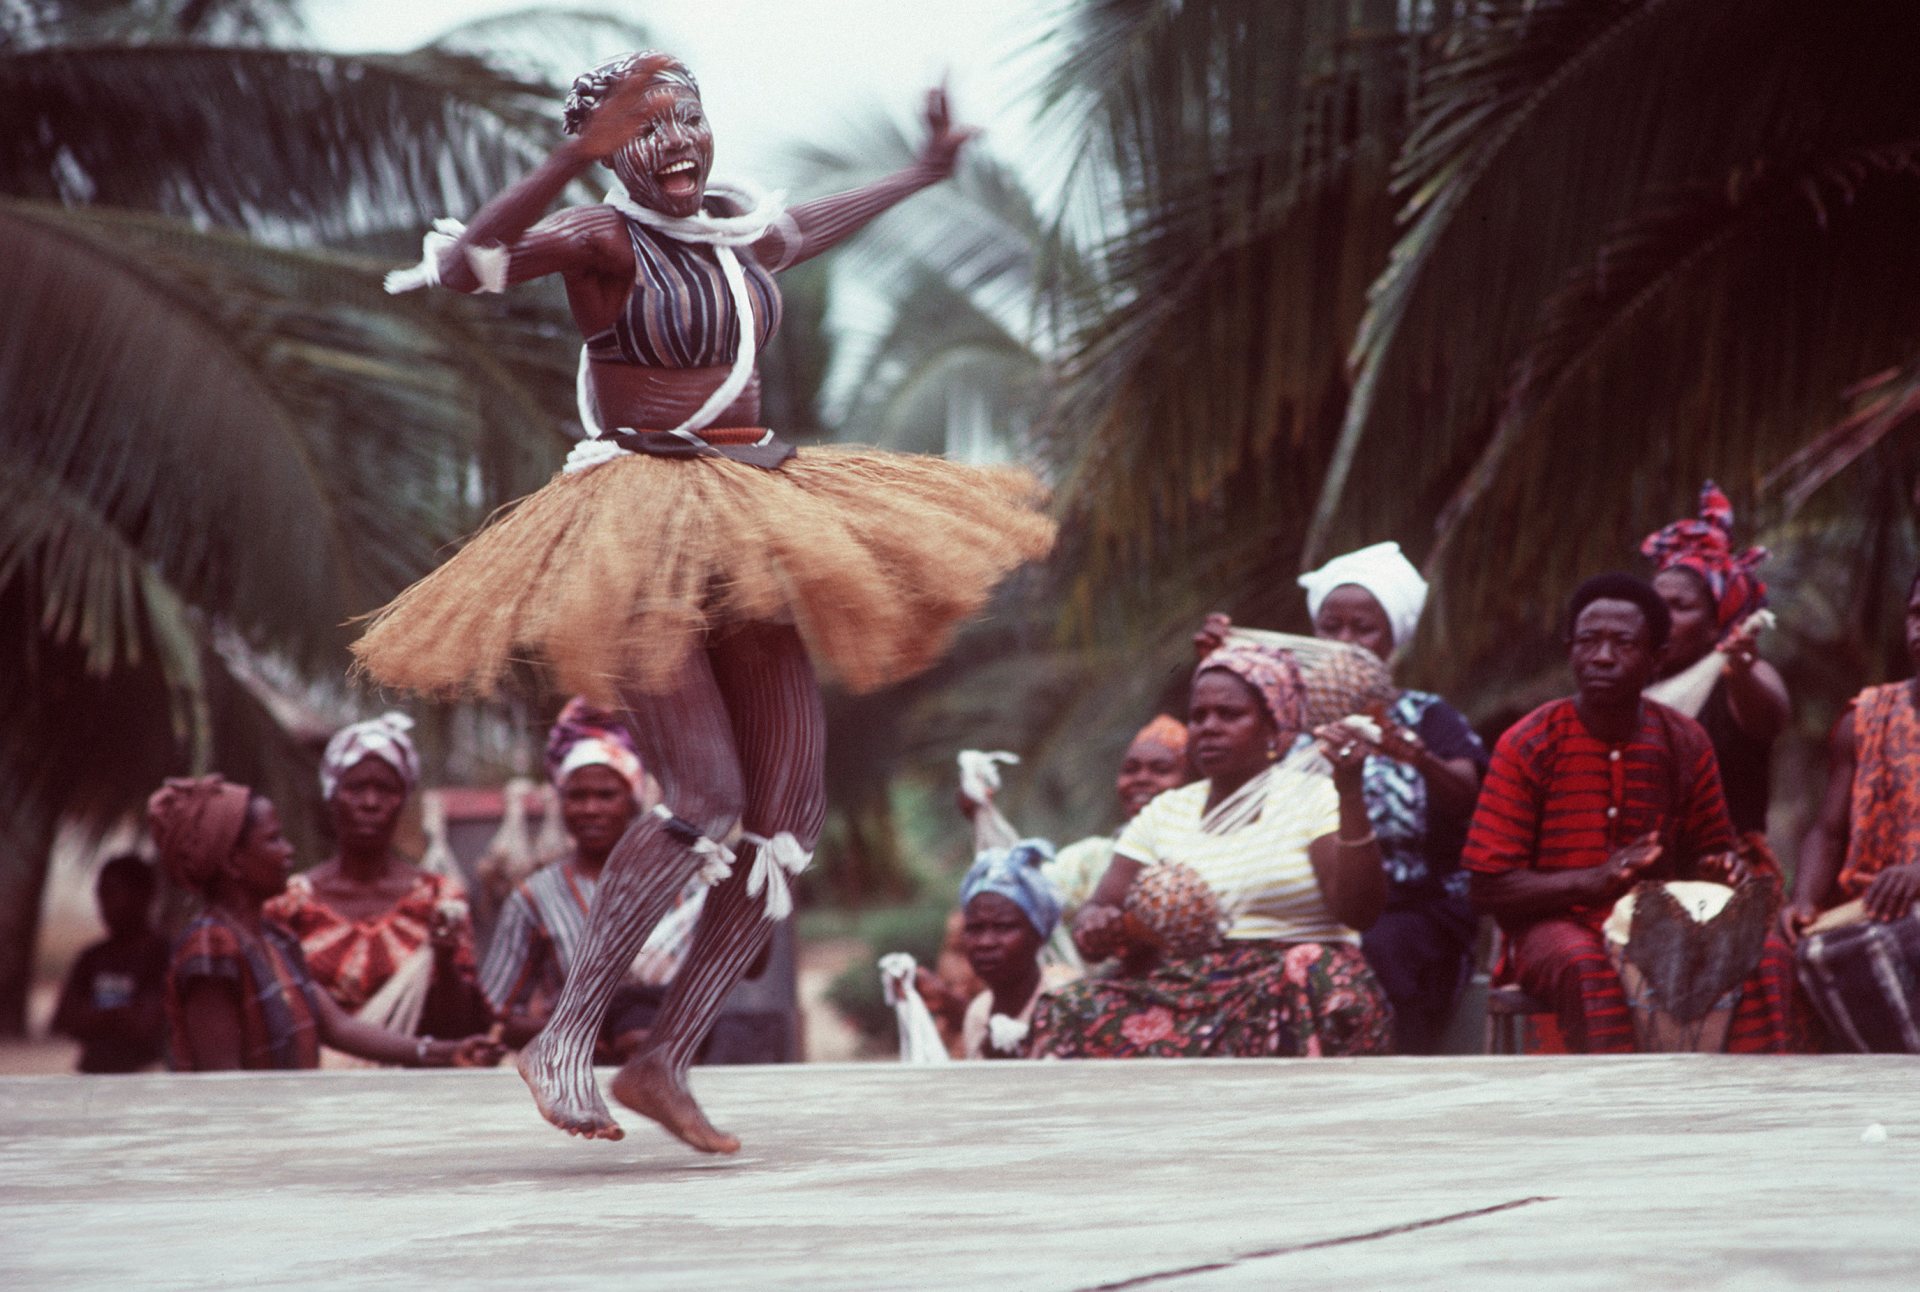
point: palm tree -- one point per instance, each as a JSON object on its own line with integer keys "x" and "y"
{"x": 222, "y": 439}
{"x": 1529, "y": 269}
{"x": 1644, "y": 242}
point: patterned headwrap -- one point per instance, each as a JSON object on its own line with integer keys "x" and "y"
{"x": 1274, "y": 676}
{"x": 1388, "y": 578}
{"x": 196, "y": 824}
{"x": 1164, "y": 730}
{"x": 1014, "y": 873}
{"x": 1705, "y": 546}
{"x": 384, "y": 737}
{"x": 587, "y": 736}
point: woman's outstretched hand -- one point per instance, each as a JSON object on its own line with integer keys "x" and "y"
{"x": 616, "y": 121}
{"x": 1212, "y": 635}
{"x": 941, "y": 150}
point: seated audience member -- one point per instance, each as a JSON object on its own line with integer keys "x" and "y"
{"x": 1155, "y": 761}
{"x": 597, "y": 775}
{"x": 114, "y": 999}
{"x": 238, "y": 991}
{"x": 1586, "y": 797}
{"x": 387, "y": 940}
{"x": 1010, "y": 908}
{"x": 1863, "y": 857}
{"x": 1421, "y": 780}
{"x": 1249, "y": 885}
{"x": 1711, "y": 592}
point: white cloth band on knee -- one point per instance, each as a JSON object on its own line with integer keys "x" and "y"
{"x": 716, "y": 859}
{"x": 774, "y": 860}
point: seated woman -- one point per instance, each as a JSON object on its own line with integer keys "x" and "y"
{"x": 597, "y": 775}
{"x": 1421, "y": 780}
{"x": 1861, "y": 864}
{"x": 1010, "y": 909}
{"x": 238, "y": 991}
{"x": 1155, "y": 761}
{"x": 385, "y": 939}
{"x": 1252, "y": 882}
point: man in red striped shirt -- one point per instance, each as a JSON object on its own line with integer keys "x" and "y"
{"x": 1586, "y": 797}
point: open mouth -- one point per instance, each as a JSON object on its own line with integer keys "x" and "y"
{"x": 680, "y": 179}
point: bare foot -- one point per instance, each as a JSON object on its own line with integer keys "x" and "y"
{"x": 646, "y": 1085}
{"x": 565, "y": 1093}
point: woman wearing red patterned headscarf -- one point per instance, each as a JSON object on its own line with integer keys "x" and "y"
{"x": 1713, "y": 594}
{"x": 238, "y": 991}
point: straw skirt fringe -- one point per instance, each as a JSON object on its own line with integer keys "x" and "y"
{"x": 610, "y": 577}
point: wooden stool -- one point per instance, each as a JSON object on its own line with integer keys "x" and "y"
{"x": 1506, "y": 1007}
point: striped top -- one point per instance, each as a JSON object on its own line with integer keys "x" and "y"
{"x": 1559, "y": 798}
{"x": 1260, "y": 872}
{"x": 542, "y": 925}
{"x": 680, "y": 313}
{"x": 279, "y": 1006}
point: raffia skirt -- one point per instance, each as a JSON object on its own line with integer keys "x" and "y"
{"x": 610, "y": 577}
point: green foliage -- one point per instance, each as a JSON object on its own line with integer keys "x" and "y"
{"x": 223, "y": 440}
{"x": 1647, "y": 242}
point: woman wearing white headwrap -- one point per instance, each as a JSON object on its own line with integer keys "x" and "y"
{"x": 387, "y": 940}
{"x": 1421, "y": 780}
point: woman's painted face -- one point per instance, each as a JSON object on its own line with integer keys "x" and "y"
{"x": 1000, "y": 940}
{"x": 666, "y": 163}
{"x": 1229, "y": 732}
{"x": 1351, "y": 614}
{"x": 1696, "y": 623}
{"x": 597, "y": 806}
{"x": 260, "y": 860}
{"x": 1149, "y": 769}
{"x": 366, "y": 804}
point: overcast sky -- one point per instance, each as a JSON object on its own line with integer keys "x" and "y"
{"x": 775, "y": 71}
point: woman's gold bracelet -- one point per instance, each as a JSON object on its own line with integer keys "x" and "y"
{"x": 1371, "y": 838}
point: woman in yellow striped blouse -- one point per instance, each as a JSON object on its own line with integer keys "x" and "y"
{"x": 1251, "y": 885}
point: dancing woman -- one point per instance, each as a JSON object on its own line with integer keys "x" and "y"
{"x": 688, "y": 566}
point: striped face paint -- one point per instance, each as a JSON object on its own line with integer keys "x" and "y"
{"x": 666, "y": 163}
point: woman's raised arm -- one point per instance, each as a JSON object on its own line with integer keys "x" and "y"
{"x": 587, "y": 238}
{"x": 813, "y": 227}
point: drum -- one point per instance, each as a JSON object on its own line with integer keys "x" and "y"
{"x": 1863, "y": 977}
{"x": 1682, "y": 948}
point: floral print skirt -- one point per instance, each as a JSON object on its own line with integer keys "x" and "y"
{"x": 1245, "y": 1000}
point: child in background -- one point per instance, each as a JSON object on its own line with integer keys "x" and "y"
{"x": 113, "y": 1002}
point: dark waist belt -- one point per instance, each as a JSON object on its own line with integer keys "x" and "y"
{"x": 756, "y": 446}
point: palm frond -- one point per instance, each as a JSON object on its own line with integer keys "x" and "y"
{"x": 283, "y": 406}
{"x": 290, "y": 145}
{"x": 1708, "y": 341}
{"x": 548, "y": 46}
{"x": 1544, "y": 127}
{"x": 1883, "y": 403}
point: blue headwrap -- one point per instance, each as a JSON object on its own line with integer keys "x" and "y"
{"x": 1014, "y": 873}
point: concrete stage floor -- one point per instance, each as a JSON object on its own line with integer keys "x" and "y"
{"x": 1650, "y": 1172}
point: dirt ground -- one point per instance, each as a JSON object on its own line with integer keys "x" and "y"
{"x": 1536, "y": 1175}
